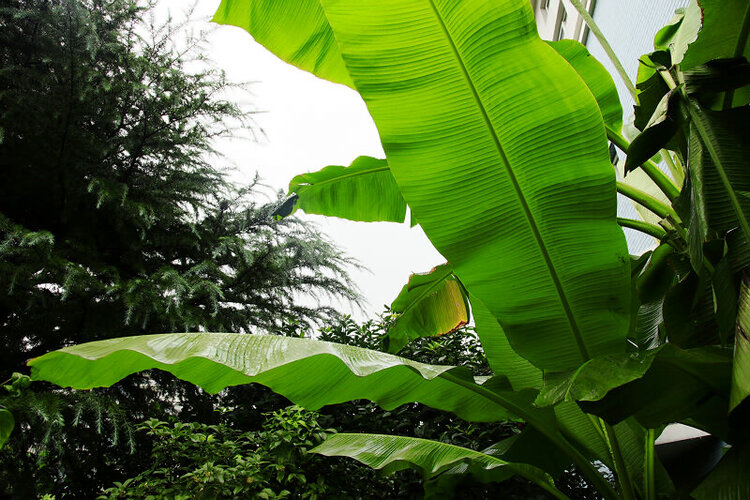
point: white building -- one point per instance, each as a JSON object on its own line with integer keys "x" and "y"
{"x": 558, "y": 19}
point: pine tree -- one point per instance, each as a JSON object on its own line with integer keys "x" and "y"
{"x": 115, "y": 220}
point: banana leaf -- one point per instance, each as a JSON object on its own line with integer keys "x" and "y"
{"x": 721, "y": 23}
{"x": 729, "y": 480}
{"x": 502, "y": 358}
{"x": 393, "y": 453}
{"x": 430, "y": 304}
{"x": 308, "y": 372}
{"x": 678, "y": 384}
{"x": 364, "y": 191}
{"x": 295, "y": 30}
{"x": 741, "y": 365}
{"x": 596, "y": 77}
{"x": 499, "y": 149}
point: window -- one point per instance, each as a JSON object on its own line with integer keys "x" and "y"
{"x": 544, "y": 5}
{"x": 561, "y": 24}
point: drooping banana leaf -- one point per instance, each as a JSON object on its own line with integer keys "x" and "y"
{"x": 364, "y": 191}
{"x": 685, "y": 34}
{"x": 502, "y": 358}
{"x": 392, "y": 453}
{"x": 295, "y": 30}
{"x": 595, "y": 378}
{"x": 430, "y": 304}
{"x": 678, "y": 384}
{"x": 659, "y": 131}
{"x": 719, "y": 179}
{"x": 741, "y": 364}
{"x": 596, "y": 77}
{"x": 722, "y": 22}
{"x": 499, "y": 148}
{"x": 6, "y": 425}
{"x": 528, "y": 447}
{"x": 729, "y": 480}
{"x": 308, "y": 372}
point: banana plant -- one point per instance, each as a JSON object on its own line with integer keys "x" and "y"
{"x": 497, "y": 143}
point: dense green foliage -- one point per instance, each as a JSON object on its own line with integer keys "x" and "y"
{"x": 111, "y": 206}
{"x": 192, "y": 460}
{"x": 497, "y": 143}
{"x": 116, "y": 218}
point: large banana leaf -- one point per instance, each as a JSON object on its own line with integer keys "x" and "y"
{"x": 741, "y": 365}
{"x": 364, "y": 191}
{"x": 596, "y": 77}
{"x": 595, "y": 378}
{"x": 499, "y": 149}
{"x": 729, "y": 480}
{"x": 678, "y": 384}
{"x": 308, "y": 372}
{"x": 502, "y": 358}
{"x": 393, "y": 453}
{"x": 294, "y": 30}
{"x": 430, "y": 304}
{"x": 719, "y": 179}
{"x": 721, "y": 24}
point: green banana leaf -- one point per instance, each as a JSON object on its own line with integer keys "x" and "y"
{"x": 679, "y": 384}
{"x": 6, "y": 426}
{"x": 587, "y": 432}
{"x": 729, "y": 480}
{"x": 686, "y": 33}
{"x": 364, "y": 191}
{"x": 393, "y": 453}
{"x": 308, "y": 372}
{"x": 595, "y": 378}
{"x": 502, "y": 358}
{"x": 721, "y": 23}
{"x": 658, "y": 133}
{"x": 499, "y": 149}
{"x": 651, "y": 286}
{"x": 596, "y": 77}
{"x": 430, "y": 304}
{"x": 631, "y": 437}
{"x": 719, "y": 189}
{"x": 741, "y": 365}
{"x": 294, "y": 30}
{"x": 665, "y": 36}
{"x": 526, "y": 447}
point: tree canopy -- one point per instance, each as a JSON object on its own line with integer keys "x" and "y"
{"x": 117, "y": 217}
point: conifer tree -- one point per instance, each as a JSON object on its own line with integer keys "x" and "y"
{"x": 116, "y": 219}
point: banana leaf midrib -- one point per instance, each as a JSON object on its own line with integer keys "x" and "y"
{"x": 516, "y": 187}
{"x": 345, "y": 176}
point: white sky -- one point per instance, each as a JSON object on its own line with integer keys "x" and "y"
{"x": 310, "y": 123}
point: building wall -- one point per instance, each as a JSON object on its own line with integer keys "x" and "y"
{"x": 556, "y": 19}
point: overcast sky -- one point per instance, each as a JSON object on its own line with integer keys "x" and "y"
{"x": 310, "y": 123}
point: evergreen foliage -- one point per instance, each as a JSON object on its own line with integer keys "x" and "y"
{"x": 116, "y": 219}
{"x": 113, "y": 215}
